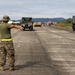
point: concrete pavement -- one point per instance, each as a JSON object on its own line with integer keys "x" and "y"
{"x": 44, "y": 51}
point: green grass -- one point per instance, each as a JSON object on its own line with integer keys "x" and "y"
{"x": 64, "y": 25}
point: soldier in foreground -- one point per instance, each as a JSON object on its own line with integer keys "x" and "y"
{"x": 6, "y": 44}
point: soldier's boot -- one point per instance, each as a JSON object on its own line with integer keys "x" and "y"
{"x": 12, "y": 68}
{"x": 1, "y": 68}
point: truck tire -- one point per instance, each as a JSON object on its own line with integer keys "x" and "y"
{"x": 31, "y": 28}
{"x": 24, "y": 29}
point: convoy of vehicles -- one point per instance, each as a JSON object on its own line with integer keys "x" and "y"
{"x": 27, "y": 23}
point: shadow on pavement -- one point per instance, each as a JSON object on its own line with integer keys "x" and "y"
{"x": 27, "y": 64}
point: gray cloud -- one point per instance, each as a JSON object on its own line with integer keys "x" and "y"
{"x": 37, "y": 8}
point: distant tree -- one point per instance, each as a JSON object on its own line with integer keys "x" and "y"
{"x": 67, "y": 21}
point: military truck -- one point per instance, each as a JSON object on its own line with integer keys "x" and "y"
{"x": 27, "y": 23}
{"x": 37, "y": 24}
{"x": 73, "y": 23}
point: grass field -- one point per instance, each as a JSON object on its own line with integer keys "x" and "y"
{"x": 63, "y": 25}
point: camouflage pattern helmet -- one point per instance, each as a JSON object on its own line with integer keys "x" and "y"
{"x": 5, "y": 18}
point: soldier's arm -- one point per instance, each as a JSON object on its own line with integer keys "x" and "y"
{"x": 17, "y": 27}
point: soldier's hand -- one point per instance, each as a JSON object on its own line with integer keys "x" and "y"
{"x": 21, "y": 28}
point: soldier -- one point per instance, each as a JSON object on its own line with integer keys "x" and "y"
{"x": 6, "y": 44}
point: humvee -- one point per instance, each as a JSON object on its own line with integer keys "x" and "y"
{"x": 73, "y": 23}
{"x": 27, "y": 23}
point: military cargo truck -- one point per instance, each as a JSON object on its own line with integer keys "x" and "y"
{"x": 27, "y": 23}
{"x": 73, "y": 23}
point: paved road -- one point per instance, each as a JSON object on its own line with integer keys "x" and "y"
{"x": 44, "y": 51}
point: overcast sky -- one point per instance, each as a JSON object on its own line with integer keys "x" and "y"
{"x": 37, "y": 8}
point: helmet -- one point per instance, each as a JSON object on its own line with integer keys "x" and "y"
{"x": 5, "y": 18}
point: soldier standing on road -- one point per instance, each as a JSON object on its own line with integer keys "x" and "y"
{"x": 6, "y": 44}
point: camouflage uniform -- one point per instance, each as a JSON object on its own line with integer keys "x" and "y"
{"x": 6, "y": 47}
